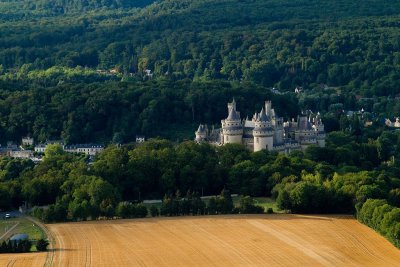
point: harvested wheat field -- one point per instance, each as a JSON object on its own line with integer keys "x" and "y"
{"x": 252, "y": 240}
{"x": 23, "y": 260}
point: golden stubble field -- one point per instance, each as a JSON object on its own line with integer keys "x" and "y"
{"x": 239, "y": 240}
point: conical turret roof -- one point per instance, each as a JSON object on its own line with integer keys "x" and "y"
{"x": 201, "y": 129}
{"x": 233, "y": 115}
{"x": 263, "y": 116}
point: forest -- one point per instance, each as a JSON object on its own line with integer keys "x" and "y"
{"x": 353, "y": 44}
{"x": 106, "y": 71}
{"x": 115, "y": 112}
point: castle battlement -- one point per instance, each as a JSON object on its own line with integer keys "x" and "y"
{"x": 265, "y": 130}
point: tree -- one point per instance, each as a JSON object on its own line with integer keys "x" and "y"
{"x": 394, "y": 197}
{"x": 212, "y": 206}
{"x": 283, "y": 200}
{"x": 52, "y": 151}
{"x": 225, "y": 202}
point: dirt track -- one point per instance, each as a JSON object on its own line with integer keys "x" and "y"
{"x": 259, "y": 240}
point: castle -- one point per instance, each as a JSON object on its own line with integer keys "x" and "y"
{"x": 265, "y": 131}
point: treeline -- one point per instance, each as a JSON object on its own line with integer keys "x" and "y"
{"x": 382, "y": 216}
{"x": 192, "y": 204}
{"x": 175, "y": 205}
{"x": 22, "y": 246}
{"x": 159, "y": 167}
{"x": 272, "y": 43}
{"x": 87, "y": 211}
{"x": 172, "y": 205}
{"x": 118, "y": 111}
{"x": 13, "y": 246}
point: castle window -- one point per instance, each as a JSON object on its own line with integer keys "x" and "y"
{"x": 257, "y": 140}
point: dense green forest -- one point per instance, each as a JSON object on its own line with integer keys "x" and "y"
{"x": 109, "y": 111}
{"x": 57, "y": 7}
{"x": 79, "y": 73}
{"x": 353, "y": 44}
{"x": 117, "y": 111}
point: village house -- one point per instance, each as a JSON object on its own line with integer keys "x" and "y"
{"x": 27, "y": 141}
{"x": 88, "y": 149}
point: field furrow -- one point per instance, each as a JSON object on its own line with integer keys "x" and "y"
{"x": 239, "y": 240}
{"x": 252, "y": 240}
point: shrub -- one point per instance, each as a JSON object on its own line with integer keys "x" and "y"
{"x": 154, "y": 211}
{"x": 41, "y": 244}
{"x": 123, "y": 210}
{"x": 247, "y": 206}
{"x": 141, "y": 211}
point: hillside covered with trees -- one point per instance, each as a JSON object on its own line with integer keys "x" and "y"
{"x": 272, "y": 43}
{"x": 80, "y": 73}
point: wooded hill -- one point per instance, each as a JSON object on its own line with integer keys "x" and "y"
{"x": 56, "y": 7}
{"x": 273, "y": 43}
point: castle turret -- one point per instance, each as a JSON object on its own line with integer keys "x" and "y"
{"x": 279, "y": 131}
{"x": 263, "y": 133}
{"x": 320, "y": 129}
{"x": 201, "y": 133}
{"x": 232, "y": 128}
{"x": 268, "y": 107}
{"x": 232, "y": 105}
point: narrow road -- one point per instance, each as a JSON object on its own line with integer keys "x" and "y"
{"x": 9, "y": 230}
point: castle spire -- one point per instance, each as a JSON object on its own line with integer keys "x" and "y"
{"x": 263, "y": 115}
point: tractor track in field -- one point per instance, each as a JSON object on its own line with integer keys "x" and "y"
{"x": 50, "y": 254}
{"x": 11, "y": 262}
{"x": 226, "y": 240}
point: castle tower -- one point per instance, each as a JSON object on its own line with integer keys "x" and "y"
{"x": 201, "y": 133}
{"x": 232, "y": 128}
{"x": 232, "y": 105}
{"x": 268, "y": 107}
{"x": 320, "y": 129}
{"x": 263, "y": 133}
{"x": 278, "y": 131}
